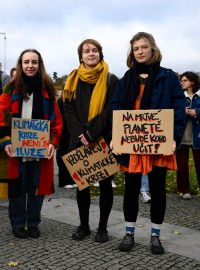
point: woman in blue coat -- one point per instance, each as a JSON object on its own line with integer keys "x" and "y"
{"x": 191, "y": 85}
{"x": 147, "y": 85}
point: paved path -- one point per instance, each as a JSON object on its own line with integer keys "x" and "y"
{"x": 55, "y": 249}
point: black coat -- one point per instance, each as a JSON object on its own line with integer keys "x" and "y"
{"x": 76, "y": 114}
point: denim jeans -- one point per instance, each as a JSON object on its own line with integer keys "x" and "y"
{"x": 144, "y": 183}
{"x": 26, "y": 208}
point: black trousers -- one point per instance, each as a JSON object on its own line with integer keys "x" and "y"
{"x": 105, "y": 203}
{"x": 157, "y": 181}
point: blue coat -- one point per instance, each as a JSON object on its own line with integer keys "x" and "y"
{"x": 195, "y": 104}
{"x": 167, "y": 94}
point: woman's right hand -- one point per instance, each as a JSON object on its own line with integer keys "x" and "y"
{"x": 111, "y": 147}
{"x": 83, "y": 139}
{"x": 9, "y": 151}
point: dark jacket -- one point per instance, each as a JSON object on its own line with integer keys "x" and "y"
{"x": 194, "y": 104}
{"x": 76, "y": 114}
{"x": 167, "y": 94}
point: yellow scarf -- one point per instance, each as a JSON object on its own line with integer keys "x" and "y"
{"x": 98, "y": 76}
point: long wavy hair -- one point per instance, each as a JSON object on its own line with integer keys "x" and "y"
{"x": 46, "y": 81}
{"x": 156, "y": 54}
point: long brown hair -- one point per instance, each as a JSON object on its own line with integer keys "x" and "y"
{"x": 156, "y": 54}
{"x": 46, "y": 81}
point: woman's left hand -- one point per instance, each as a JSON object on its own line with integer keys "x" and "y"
{"x": 51, "y": 151}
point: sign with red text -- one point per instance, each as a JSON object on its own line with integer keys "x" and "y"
{"x": 147, "y": 132}
{"x": 30, "y": 137}
{"x": 90, "y": 164}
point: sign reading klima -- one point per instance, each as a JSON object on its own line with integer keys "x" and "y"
{"x": 30, "y": 137}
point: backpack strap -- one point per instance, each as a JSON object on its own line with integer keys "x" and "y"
{"x": 108, "y": 79}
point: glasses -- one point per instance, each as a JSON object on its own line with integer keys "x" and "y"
{"x": 185, "y": 80}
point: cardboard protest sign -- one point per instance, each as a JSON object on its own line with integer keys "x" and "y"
{"x": 89, "y": 164}
{"x": 147, "y": 132}
{"x": 30, "y": 137}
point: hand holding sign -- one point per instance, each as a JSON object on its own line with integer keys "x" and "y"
{"x": 9, "y": 150}
{"x": 51, "y": 150}
{"x": 83, "y": 139}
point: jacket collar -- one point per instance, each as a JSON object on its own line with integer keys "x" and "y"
{"x": 196, "y": 94}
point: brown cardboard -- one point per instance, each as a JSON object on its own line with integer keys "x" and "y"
{"x": 30, "y": 137}
{"x": 90, "y": 164}
{"x": 143, "y": 131}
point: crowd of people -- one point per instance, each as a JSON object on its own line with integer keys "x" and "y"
{"x": 83, "y": 114}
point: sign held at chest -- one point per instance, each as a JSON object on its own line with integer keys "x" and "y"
{"x": 30, "y": 137}
{"x": 90, "y": 164}
{"x": 147, "y": 132}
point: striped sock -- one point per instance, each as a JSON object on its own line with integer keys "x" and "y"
{"x": 130, "y": 227}
{"x": 155, "y": 229}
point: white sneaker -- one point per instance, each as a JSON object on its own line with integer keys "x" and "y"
{"x": 186, "y": 196}
{"x": 180, "y": 195}
{"x": 145, "y": 197}
{"x": 113, "y": 184}
{"x": 96, "y": 184}
{"x": 68, "y": 186}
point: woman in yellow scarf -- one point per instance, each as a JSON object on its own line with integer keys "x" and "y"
{"x": 86, "y": 96}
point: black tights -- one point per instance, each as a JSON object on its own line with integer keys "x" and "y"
{"x": 157, "y": 180}
{"x": 105, "y": 203}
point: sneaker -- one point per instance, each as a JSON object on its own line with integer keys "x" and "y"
{"x": 101, "y": 236}
{"x": 96, "y": 184}
{"x": 156, "y": 246}
{"x": 186, "y": 196}
{"x": 127, "y": 242}
{"x": 20, "y": 233}
{"x": 33, "y": 232}
{"x": 81, "y": 232}
{"x": 68, "y": 186}
{"x": 180, "y": 194}
{"x": 145, "y": 197}
{"x": 113, "y": 184}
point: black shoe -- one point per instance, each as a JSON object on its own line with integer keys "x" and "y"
{"x": 127, "y": 242}
{"x": 33, "y": 232}
{"x": 20, "y": 233}
{"x": 101, "y": 236}
{"x": 81, "y": 232}
{"x": 156, "y": 246}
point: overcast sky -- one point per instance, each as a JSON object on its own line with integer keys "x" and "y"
{"x": 56, "y": 28}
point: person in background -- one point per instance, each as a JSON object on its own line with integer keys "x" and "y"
{"x": 30, "y": 95}
{"x": 4, "y": 79}
{"x": 87, "y": 95}
{"x": 147, "y": 85}
{"x": 64, "y": 178}
{"x": 13, "y": 73}
{"x": 191, "y": 85}
{"x": 144, "y": 191}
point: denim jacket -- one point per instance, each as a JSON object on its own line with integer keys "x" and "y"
{"x": 194, "y": 103}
